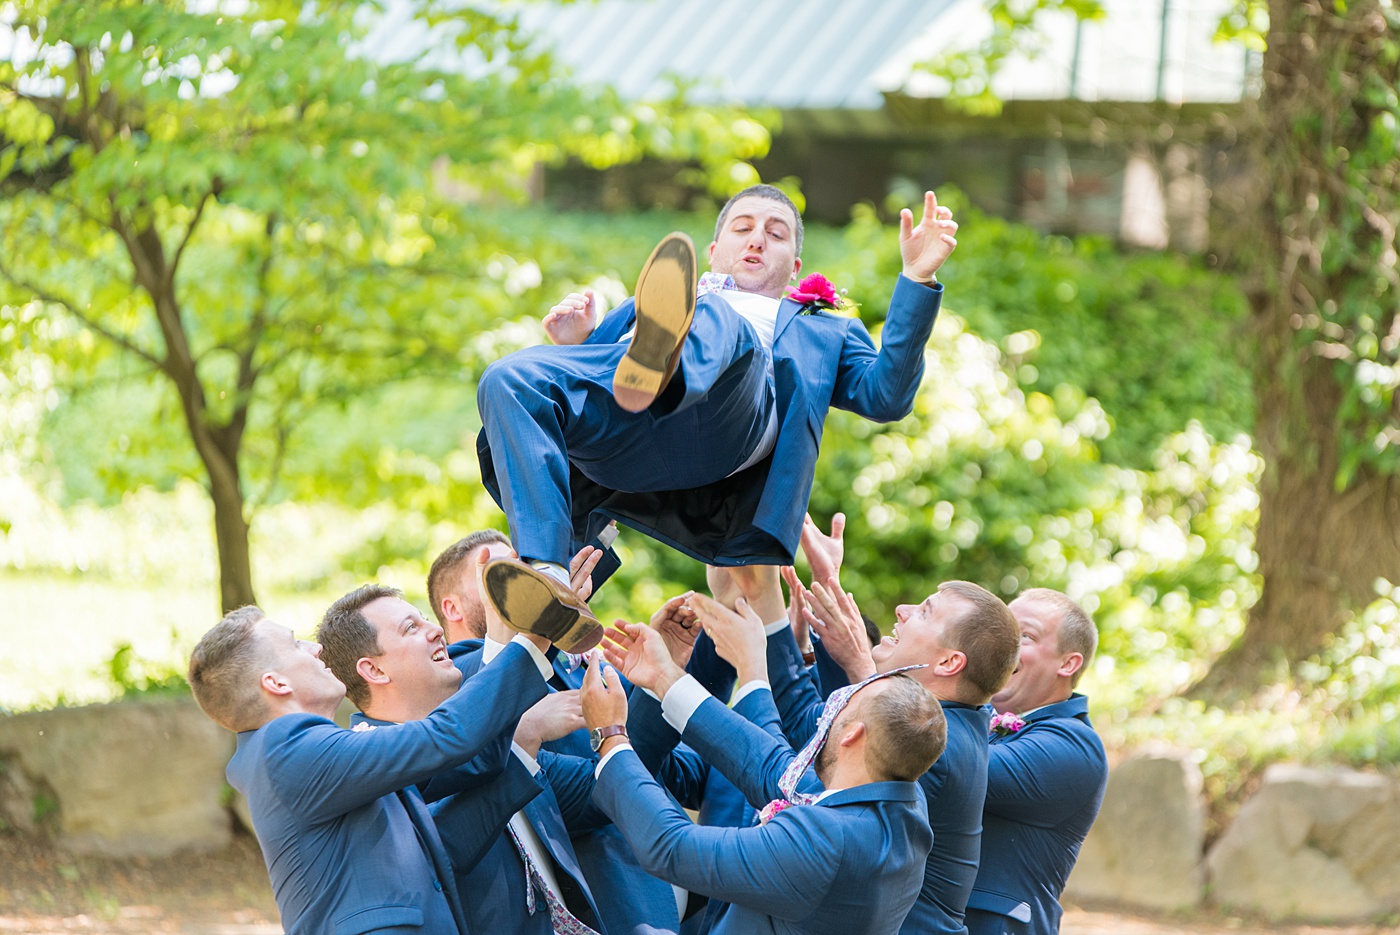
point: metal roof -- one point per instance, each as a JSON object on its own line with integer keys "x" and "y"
{"x": 792, "y": 54}
{"x": 829, "y": 55}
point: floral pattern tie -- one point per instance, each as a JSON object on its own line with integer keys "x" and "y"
{"x": 711, "y": 282}
{"x": 787, "y": 783}
{"x": 561, "y": 919}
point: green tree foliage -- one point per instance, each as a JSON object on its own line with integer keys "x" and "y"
{"x": 242, "y": 207}
{"x": 1315, "y": 234}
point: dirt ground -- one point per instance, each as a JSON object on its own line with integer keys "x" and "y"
{"x": 44, "y": 891}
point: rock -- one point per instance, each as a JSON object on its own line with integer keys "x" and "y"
{"x": 1315, "y": 844}
{"x": 131, "y": 778}
{"x": 1144, "y": 849}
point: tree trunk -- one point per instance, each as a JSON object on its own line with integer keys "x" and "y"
{"x": 1310, "y": 246}
{"x": 217, "y": 445}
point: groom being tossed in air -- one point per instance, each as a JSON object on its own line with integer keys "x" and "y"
{"x": 695, "y": 418}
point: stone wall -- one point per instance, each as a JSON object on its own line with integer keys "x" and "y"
{"x": 1320, "y": 845}
{"x": 124, "y": 779}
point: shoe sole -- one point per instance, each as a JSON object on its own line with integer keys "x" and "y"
{"x": 526, "y": 602}
{"x": 665, "y": 303}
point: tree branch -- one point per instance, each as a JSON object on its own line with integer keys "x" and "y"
{"x": 88, "y": 321}
{"x": 185, "y": 241}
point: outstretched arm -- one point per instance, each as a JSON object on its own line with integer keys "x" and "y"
{"x": 325, "y": 770}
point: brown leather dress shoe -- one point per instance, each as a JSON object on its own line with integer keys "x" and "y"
{"x": 665, "y": 307}
{"x": 530, "y": 601}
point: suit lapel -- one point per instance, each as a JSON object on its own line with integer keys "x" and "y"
{"x": 787, "y": 311}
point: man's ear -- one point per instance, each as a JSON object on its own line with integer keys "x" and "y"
{"x": 852, "y": 733}
{"x": 710, "y": 254}
{"x": 951, "y": 664}
{"x": 451, "y": 608}
{"x": 274, "y": 684}
{"x": 370, "y": 672}
{"x": 796, "y": 267}
{"x": 1070, "y": 664}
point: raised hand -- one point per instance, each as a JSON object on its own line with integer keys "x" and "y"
{"x": 796, "y": 608}
{"x": 924, "y": 248}
{"x": 833, "y": 614}
{"x": 556, "y": 715}
{"x": 602, "y": 697}
{"x": 573, "y": 319}
{"x": 640, "y": 653}
{"x": 824, "y": 553}
{"x": 581, "y": 571}
{"x": 738, "y": 635}
{"x": 676, "y": 623}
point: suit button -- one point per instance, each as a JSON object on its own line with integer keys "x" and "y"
{"x": 437, "y": 885}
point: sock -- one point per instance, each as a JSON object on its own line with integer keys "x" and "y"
{"x": 557, "y": 572}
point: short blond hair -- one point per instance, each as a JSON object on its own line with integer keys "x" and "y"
{"x": 225, "y": 667}
{"x": 905, "y": 730}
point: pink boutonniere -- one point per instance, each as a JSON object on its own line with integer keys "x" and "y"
{"x": 1004, "y": 725}
{"x": 771, "y": 809}
{"x": 816, "y": 291}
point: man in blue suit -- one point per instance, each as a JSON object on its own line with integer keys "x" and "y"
{"x": 349, "y": 847}
{"x": 720, "y": 464}
{"x": 845, "y": 862}
{"x": 630, "y": 900}
{"x": 515, "y": 869}
{"x": 1045, "y": 780}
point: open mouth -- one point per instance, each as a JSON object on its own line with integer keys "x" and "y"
{"x": 440, "y": 655}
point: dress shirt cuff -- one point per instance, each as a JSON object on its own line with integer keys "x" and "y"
{"x": 490, "y": 649}
{"x": 530, "y": 762}
{"x": 777, "y": 626}
{"x": 681, "y": 701}
{"x": 747, "y": 689}
{"x": 541, "y": 660}
{"x": 598, "y": 770}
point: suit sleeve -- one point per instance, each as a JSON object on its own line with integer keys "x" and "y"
{"x": 749, "y": 757}
{"x": 829, "y": 675}
{"x": 774, "y": 868}
{"x": 794, "y": 690}
{"x": 880, "y": 385}
{"x": 570, "y": 778}
{"x": 716, "y": 675}
{"x": 680, "y": 770}
{"x": 614, "y": 325}
{"x": 476, "y": 773}
{"x": 491, "y": 805}
{"x": 322, "y": 770}
{"x": 1041, "y": 776}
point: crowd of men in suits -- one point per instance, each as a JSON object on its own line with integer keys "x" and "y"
{"x": 940, "y": 780}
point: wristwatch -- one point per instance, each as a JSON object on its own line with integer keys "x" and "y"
{"x": 597, "y": 735}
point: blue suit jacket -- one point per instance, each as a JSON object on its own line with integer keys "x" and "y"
{"x": 346, "y": 850}
{"x": 629, "y": 900}
{"x": 955, "y": 786}
{"x": 1045, "y": 784}
{"x": 792, "y": 875}
{"x": 493, "y": 888}
{"x": 820, "y": 360}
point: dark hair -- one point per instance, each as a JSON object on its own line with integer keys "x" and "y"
{"x": 872, "y": 630}
{"x": 223, "y": 672}
{"x": 451, "y": 560}
{"x": 1076, "y": 632}
{"x": 770, "y": 192}
{"x": 905, "y": 728}
{"x": 987, "y": 635}
{"x": 346, "y": 637}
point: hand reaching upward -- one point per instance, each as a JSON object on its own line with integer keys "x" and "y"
{"x": 573, "y": 319}
{"x": 924, "y": 248}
